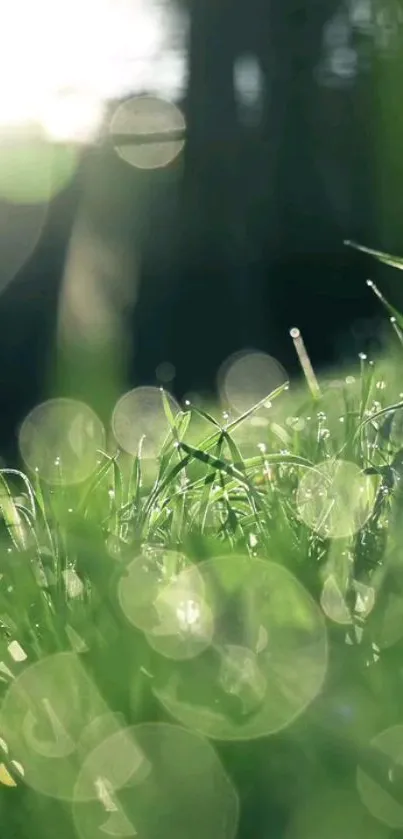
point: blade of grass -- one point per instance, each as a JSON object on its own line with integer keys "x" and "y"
{"x": 11, "y": 516}
{"x": 386, "y": 258}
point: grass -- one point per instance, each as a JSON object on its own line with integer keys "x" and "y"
{"x": 305, "y": 482}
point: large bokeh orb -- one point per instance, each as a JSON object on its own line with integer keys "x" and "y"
{"x": 266, "y": 660}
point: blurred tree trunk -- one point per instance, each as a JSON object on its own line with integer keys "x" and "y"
{"x": 251, "y": 194}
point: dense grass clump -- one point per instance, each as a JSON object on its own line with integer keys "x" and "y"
{"x": 210, "y": 640}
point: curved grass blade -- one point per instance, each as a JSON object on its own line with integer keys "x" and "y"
{"x": 27, "y": 484}
{"x": 97, "y": 478}
{"x": 385, "y": 258}
{"x": 11, "y": 516}
{"x": 381, "y": 413}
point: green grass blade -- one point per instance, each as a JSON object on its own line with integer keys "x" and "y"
{"x": 386, "y": 258}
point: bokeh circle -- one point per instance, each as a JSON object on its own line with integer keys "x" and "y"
{"x": 155, "y": 781}
{"x": 60, "y": 440}
{"x": 384, "y": 805}
{"x": 335, "y": 499}
{"x": 163, "y": 595}
{"x": 51, "y": 717}
{"x": 149, "y": 116}
{"x": 139, "y": 420}
{"x": 266, "y": 661}
{"x": 246, "y": 378}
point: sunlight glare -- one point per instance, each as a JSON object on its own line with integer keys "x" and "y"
{"x": 93, "y": 50}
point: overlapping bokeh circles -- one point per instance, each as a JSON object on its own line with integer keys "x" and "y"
{"x": 185, "y": 624}
{"x": 155, "y": 780}
{"x": 246, "y": 378}
{"x": 334, "y": 600}
{"x": 60, "y": 440}
{"x": 139, "y": 420}
{"x": 142, "y": 581}
{"x": 385, "y": 805}
{"x": 161, "y": 594}
{"x": 148, "y": 116}
{"x": 51, "y": 717}
{"x": 266, "y": 661}
{"x": 335, "y": 498}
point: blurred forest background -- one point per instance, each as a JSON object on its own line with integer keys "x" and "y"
{"x": 294, "y": 137}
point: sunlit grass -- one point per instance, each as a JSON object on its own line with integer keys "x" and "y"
{"x": 241, "y": 577}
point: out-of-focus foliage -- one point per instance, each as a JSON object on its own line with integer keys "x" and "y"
{"x": 242, "y": 580}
